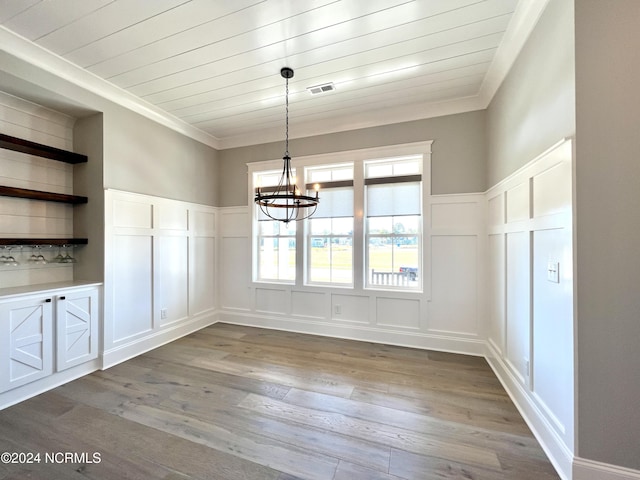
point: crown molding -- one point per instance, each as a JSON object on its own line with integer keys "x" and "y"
{"x": 524, "y": 20}
{"x": 400, "y": 114}
{"x": 50, "y": 62}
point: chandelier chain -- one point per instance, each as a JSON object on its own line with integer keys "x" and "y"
{"x": 286, "y": 134}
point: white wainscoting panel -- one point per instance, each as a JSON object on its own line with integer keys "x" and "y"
{"x": 202, "y": 223}
{"x": 496, "y": 327}
{"x": 518, "y": 328}
{"x": 552, "y": 190}
{"x": 131, "y": 211}
{"x": 272, "y": 300}
{"x": 517, "y": 205}
{"x": 160, "y": 276}
{"x": 350, "y": 308}
{"x": 495, "y": 210}
{"x": 454, "y": 285}
{"x": 235, "y": 272}
{"x": 234, "y": 276}
{"x": 132, "y": 301}
{"x": 455, "y": 214}
{"x": 203, "y": 259}
{"x": 234, "y": 222}
{"x": 202, "y": 280}
{"x": 398, "y": 312}
{"x": 172, "y": 279}
{"x": 311, "y": 305}
{"x": 172, "y": 217}
{"x": 553, "y": 322}
{"x": 456, "y": 254}
{"x": 530, "y": 313}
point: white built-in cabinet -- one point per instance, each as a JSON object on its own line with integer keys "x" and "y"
{"x": 26, "y": 341}
{"x": 46, "y": 332}
{"x": 76, "y": 327}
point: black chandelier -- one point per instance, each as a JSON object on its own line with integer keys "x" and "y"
{"x": 284, "y": 202}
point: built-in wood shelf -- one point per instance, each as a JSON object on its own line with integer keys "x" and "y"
{"x": 32, "y": 148}
{"x": 42, "y": 241}
{"x": 40, "y": 195}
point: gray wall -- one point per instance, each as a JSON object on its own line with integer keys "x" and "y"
{"x": 608, "y": 230}
{"x": 144, "y": 157}
{"x": 88, "y": 219}
{"x": 458, "y": 160}
{"x": 535, "y": 106}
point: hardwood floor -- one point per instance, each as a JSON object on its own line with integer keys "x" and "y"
{"x": 233, "y": 403}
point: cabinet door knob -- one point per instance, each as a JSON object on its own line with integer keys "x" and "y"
{"x": 63, "y": 298}
{"x": 48, "y": 300}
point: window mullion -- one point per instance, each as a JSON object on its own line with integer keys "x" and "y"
{"x": 300, "y": 253}
{"x": 359, "y": 267}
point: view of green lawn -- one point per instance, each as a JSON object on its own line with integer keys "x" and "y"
{"x": 381, "y": 258}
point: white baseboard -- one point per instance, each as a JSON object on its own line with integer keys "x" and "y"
{"x": 584, "y": 469}
{"x": 363, "y": 333}
{"x": 32, "y": 389}
{"x": 132, "y": 349}
{"x": 559, "y": 454}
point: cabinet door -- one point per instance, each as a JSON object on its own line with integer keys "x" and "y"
{"x": 26, "y": 341}
{"x": 77, "y": 328}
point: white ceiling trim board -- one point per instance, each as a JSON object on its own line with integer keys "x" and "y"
{"x": 525, "y": 18}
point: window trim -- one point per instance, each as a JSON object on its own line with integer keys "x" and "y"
{"x": 358, "y": 157}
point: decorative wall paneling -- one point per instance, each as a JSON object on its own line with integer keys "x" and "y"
{"x": 27, "y": 218}
{"x": 530, "y": 296}
{"x": 160, "y": 258}
{"x": 441, "y": 317}
{"x": 457, "y": 265}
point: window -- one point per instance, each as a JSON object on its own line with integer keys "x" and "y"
{"x": 367, "y": 232}
{"x": 276, "y": 241}
{"x": 393, "y": 222}
{"x": 330, "y": 230}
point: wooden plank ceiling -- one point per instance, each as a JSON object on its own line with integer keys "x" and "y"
{"x": 215, "y": 64}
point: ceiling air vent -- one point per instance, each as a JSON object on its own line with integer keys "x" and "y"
{"x": 324, "y": 88}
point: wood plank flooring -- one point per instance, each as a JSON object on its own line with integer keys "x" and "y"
{"x": 231, "y": 403}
